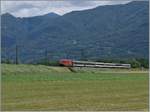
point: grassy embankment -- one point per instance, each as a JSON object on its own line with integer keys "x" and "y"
{"x": 37, "y": 87}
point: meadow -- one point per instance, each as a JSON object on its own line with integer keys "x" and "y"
{"x": 44, "y": 88}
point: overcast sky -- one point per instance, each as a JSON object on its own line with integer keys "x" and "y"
{"x": 34, "y": 8}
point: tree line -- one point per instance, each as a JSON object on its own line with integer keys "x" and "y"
{"x": 135, "y": 62}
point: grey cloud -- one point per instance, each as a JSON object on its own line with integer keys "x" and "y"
{"x": 92, "y": 2}
{"x": 119, "y": 2}
{"x": 33, "y": 8}
{"x": 81, "y": 3}
{"x": 21, "y": 6}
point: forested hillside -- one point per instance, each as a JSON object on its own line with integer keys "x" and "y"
{"x": 111, "y": 31}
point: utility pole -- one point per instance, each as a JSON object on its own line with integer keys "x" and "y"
{"x": 83, "y": 56}
{"x": 46, "y": 56}
{"x": 17, "y": 62}
{"x": 4, "y": 52}
{"x": 67, "y": 54}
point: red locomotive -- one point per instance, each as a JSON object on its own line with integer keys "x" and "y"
{"x": 66, "y": 62}
{"x": 73, "y": 63}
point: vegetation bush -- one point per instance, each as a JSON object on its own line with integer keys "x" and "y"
{"x": 49, "y": 63}
{"x": 135, "y": 62}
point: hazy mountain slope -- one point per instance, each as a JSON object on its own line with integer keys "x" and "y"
{"x": 106, "y": 31}
{"x": 20, "y": 28}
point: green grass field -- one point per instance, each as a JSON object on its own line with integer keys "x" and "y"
{"x": 37, "y": 87}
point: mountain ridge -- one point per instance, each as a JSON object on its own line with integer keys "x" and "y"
{"x": 102, "y": 32}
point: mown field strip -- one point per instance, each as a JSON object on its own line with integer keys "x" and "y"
{"x": 52, "y": 90}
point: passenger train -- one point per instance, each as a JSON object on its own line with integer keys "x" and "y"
{"x": 73, "y": 63}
